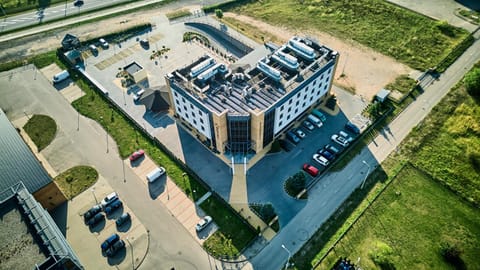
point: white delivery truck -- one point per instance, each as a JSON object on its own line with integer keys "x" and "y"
{"x": 315, "y": 120}
{"x": 155, "y": 174}
{"x": 60, "y": 76}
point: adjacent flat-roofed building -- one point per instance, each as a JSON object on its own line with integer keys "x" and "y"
{"x": 243, "y": 107}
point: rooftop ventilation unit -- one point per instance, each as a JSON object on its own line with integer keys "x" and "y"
{"x": 303, "y": 50}
{"x": 196, "y": 70}
{"x": 207, "y": 74}
{"x": 269, "y": 71}
{"x": 286, "y": 60}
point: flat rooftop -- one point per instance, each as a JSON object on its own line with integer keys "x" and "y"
{"x": 256, "y": 81}
{"x": 132, "y": 68}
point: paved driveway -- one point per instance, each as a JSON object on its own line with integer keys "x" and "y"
{"x": 170, "y": 244}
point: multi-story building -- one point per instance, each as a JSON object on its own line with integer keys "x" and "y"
{"x": 243, "y": 107}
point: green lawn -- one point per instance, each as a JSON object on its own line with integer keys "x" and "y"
{"x": 414, "y": 216}
{"x": 41, "y": 129}
{"x": 233, "y": 234}
{"x": 408, "y": 37}
{"x": 76, "y": 180}
{"x": 402, "y": 84}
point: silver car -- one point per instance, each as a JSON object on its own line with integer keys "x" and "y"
{"x": 340, "y": 140}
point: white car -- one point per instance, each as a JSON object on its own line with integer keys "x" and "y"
{"x": 203, "y": 223}
{"x": 300, "y": 133}
{"x": 103, "y": 43}
{"x": 340, "y": 140}
{"x": 109, "y": 199}
{"x": 138, "y": 95}
{"x": 93, "y": 48}
{"x": 318, "y": 158}
{"x": 345, "y": 135}
{"x": 308, "y": 125}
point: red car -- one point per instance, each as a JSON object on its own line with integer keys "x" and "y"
{"x": 310, "y": 169}
{"x": 136, "y": 155}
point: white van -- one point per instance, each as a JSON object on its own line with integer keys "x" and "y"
{"x": 315, "y": 120}
{"x": 155, "y": 174}
{"x": 60, "y": 76}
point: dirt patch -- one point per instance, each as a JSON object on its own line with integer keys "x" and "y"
{"x": 360, "y": 69}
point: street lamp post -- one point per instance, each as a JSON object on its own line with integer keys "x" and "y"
{"x": 289, "y": 255}
{"x": 95, "y": 197}
{"x": 123, "y": 168}
{"x": 366, "y": 175}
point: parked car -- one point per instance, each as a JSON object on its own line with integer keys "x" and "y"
{"x": 95, "y": 219}
{"x": 115, "y": 248}
{"x": 60, "y": 76}
{"x": 109, "y": 199}
{"x": 292, "y": 137}
{"x": 310, "y": 169}
{"x": 144, "y": 43}
{"x": 299, "y": 133}
{"x": 109, "y": 241}
{"x": 319, "y": 114}
{"x": 324, "y": 153}
{"x": 113, "y": 206}
{"x": 308, "y": 125}
{"x": 345, "y": 135}
{"x": 122, "y": 219}
{"x": 352, "y": 128}
{"x": 340, "y": 140}
{"x": 92, "y": 212}
{"x": 103, "y": 43}
{"x": 320, "y": 159}
{"x": 203, "y": 223}
{"x": 136, "y": 155}
{"x": 138, "y": 95}
{"x": 155, "y": 174}
{"x": 332, "y": 149}
{"x": 93, "y": 48}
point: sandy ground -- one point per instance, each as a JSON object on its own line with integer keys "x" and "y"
{"x": 365, "y": 71}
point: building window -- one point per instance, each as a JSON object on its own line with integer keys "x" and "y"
{"x": 202, "y": 128}
{"x": 314, "y": 82}
{"x": 175, "y": 93}
{"x": 185, "y": 108}
{"x": 191, "y": 106}
{"x": 298, "y": 102}
{"x": 288, "y": 117}
{"x": 298, "y": 95}
{"x": 296, "y": 110}
{"x": 311, "y": 98}
{"x": 290, "y": 101}
{"x": 281, "y": 108}
{"x": 194, "y": 122}
{"x": 178, "y": 103}
{"x": 201, "y": 120}
{"x": 303, "y": 105}
{"x": 179, "y": 110}
{"x": 289, "y": 109}
{"x": 281, "y": 116}
{"x": 183, "y": 99}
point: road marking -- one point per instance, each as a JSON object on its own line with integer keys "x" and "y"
{"x": 54, "y": 11}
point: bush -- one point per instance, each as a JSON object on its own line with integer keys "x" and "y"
{"x": 381, "y": 255}
{"x": 451, "y": 254}
{"x": 472, "y": 82}
{"x": 295, "y": 184}
{"x": 219, "y": 13}
{"x": 264, "y": 211}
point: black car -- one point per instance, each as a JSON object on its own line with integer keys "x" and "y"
{"x": 352, "y": 128}
{"x": 113, "y": 206}
{"x": 122, "y": 219}
{"x": 95, "y": 219}
{"x": 91, "y": 212}
{"x": 115, "y": 248}
{"x": 326, "y": 154}
{"x": 78, "y": 3}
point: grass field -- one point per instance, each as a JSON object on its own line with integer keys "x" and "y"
{"x": 414, "y": 216}
{"x": 76, "y": 180}
{"x": 15, "y": 6}
{"x": 178, "y": 14}
{"x": 41, "y": 129}
{"x": 232, "y": 236}
{"x": 408, "y": 37}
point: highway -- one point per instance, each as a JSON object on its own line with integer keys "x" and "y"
{"x": 8, "y": 23}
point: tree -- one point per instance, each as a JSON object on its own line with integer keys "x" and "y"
{"x": 219, "y": 13}
{"x": 472, "y": 82}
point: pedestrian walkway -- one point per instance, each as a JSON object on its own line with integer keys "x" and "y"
{"x": 239, "y": 201}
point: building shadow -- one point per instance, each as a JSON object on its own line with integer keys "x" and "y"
{"x": 59, "y": 215}
{"x": 471, "y": 4}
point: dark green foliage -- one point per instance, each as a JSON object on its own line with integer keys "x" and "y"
{"x": 219, "y": 13}
{"x": 472, "y": 82}
{"x": 451, "y": 254}
{"x": 295, "y": 184}
{"x": 264, "y": 211}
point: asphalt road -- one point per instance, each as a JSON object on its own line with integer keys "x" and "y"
{"x": 331, "y": 191}
{"x": 29, "y": 93}
{"x": 52, "y": 13}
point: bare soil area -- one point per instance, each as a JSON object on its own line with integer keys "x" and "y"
{"x": 360, "y": 69}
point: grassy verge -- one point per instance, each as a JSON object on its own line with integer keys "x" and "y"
{"x": 414, "y": 216}
{"x": 76, "y": 180}
{"x": 41, "y": 129}
{"x": 472, "y": 15}
{"x": 11, "y": 7}
{"x": 402, "y": 84}
{"x": 251, "y": 31}
{"x": 40, "y": 61}
{"x": 411, "y": 38}
{"x": 233, "y": 234}
{"x": 178, "y": 14}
